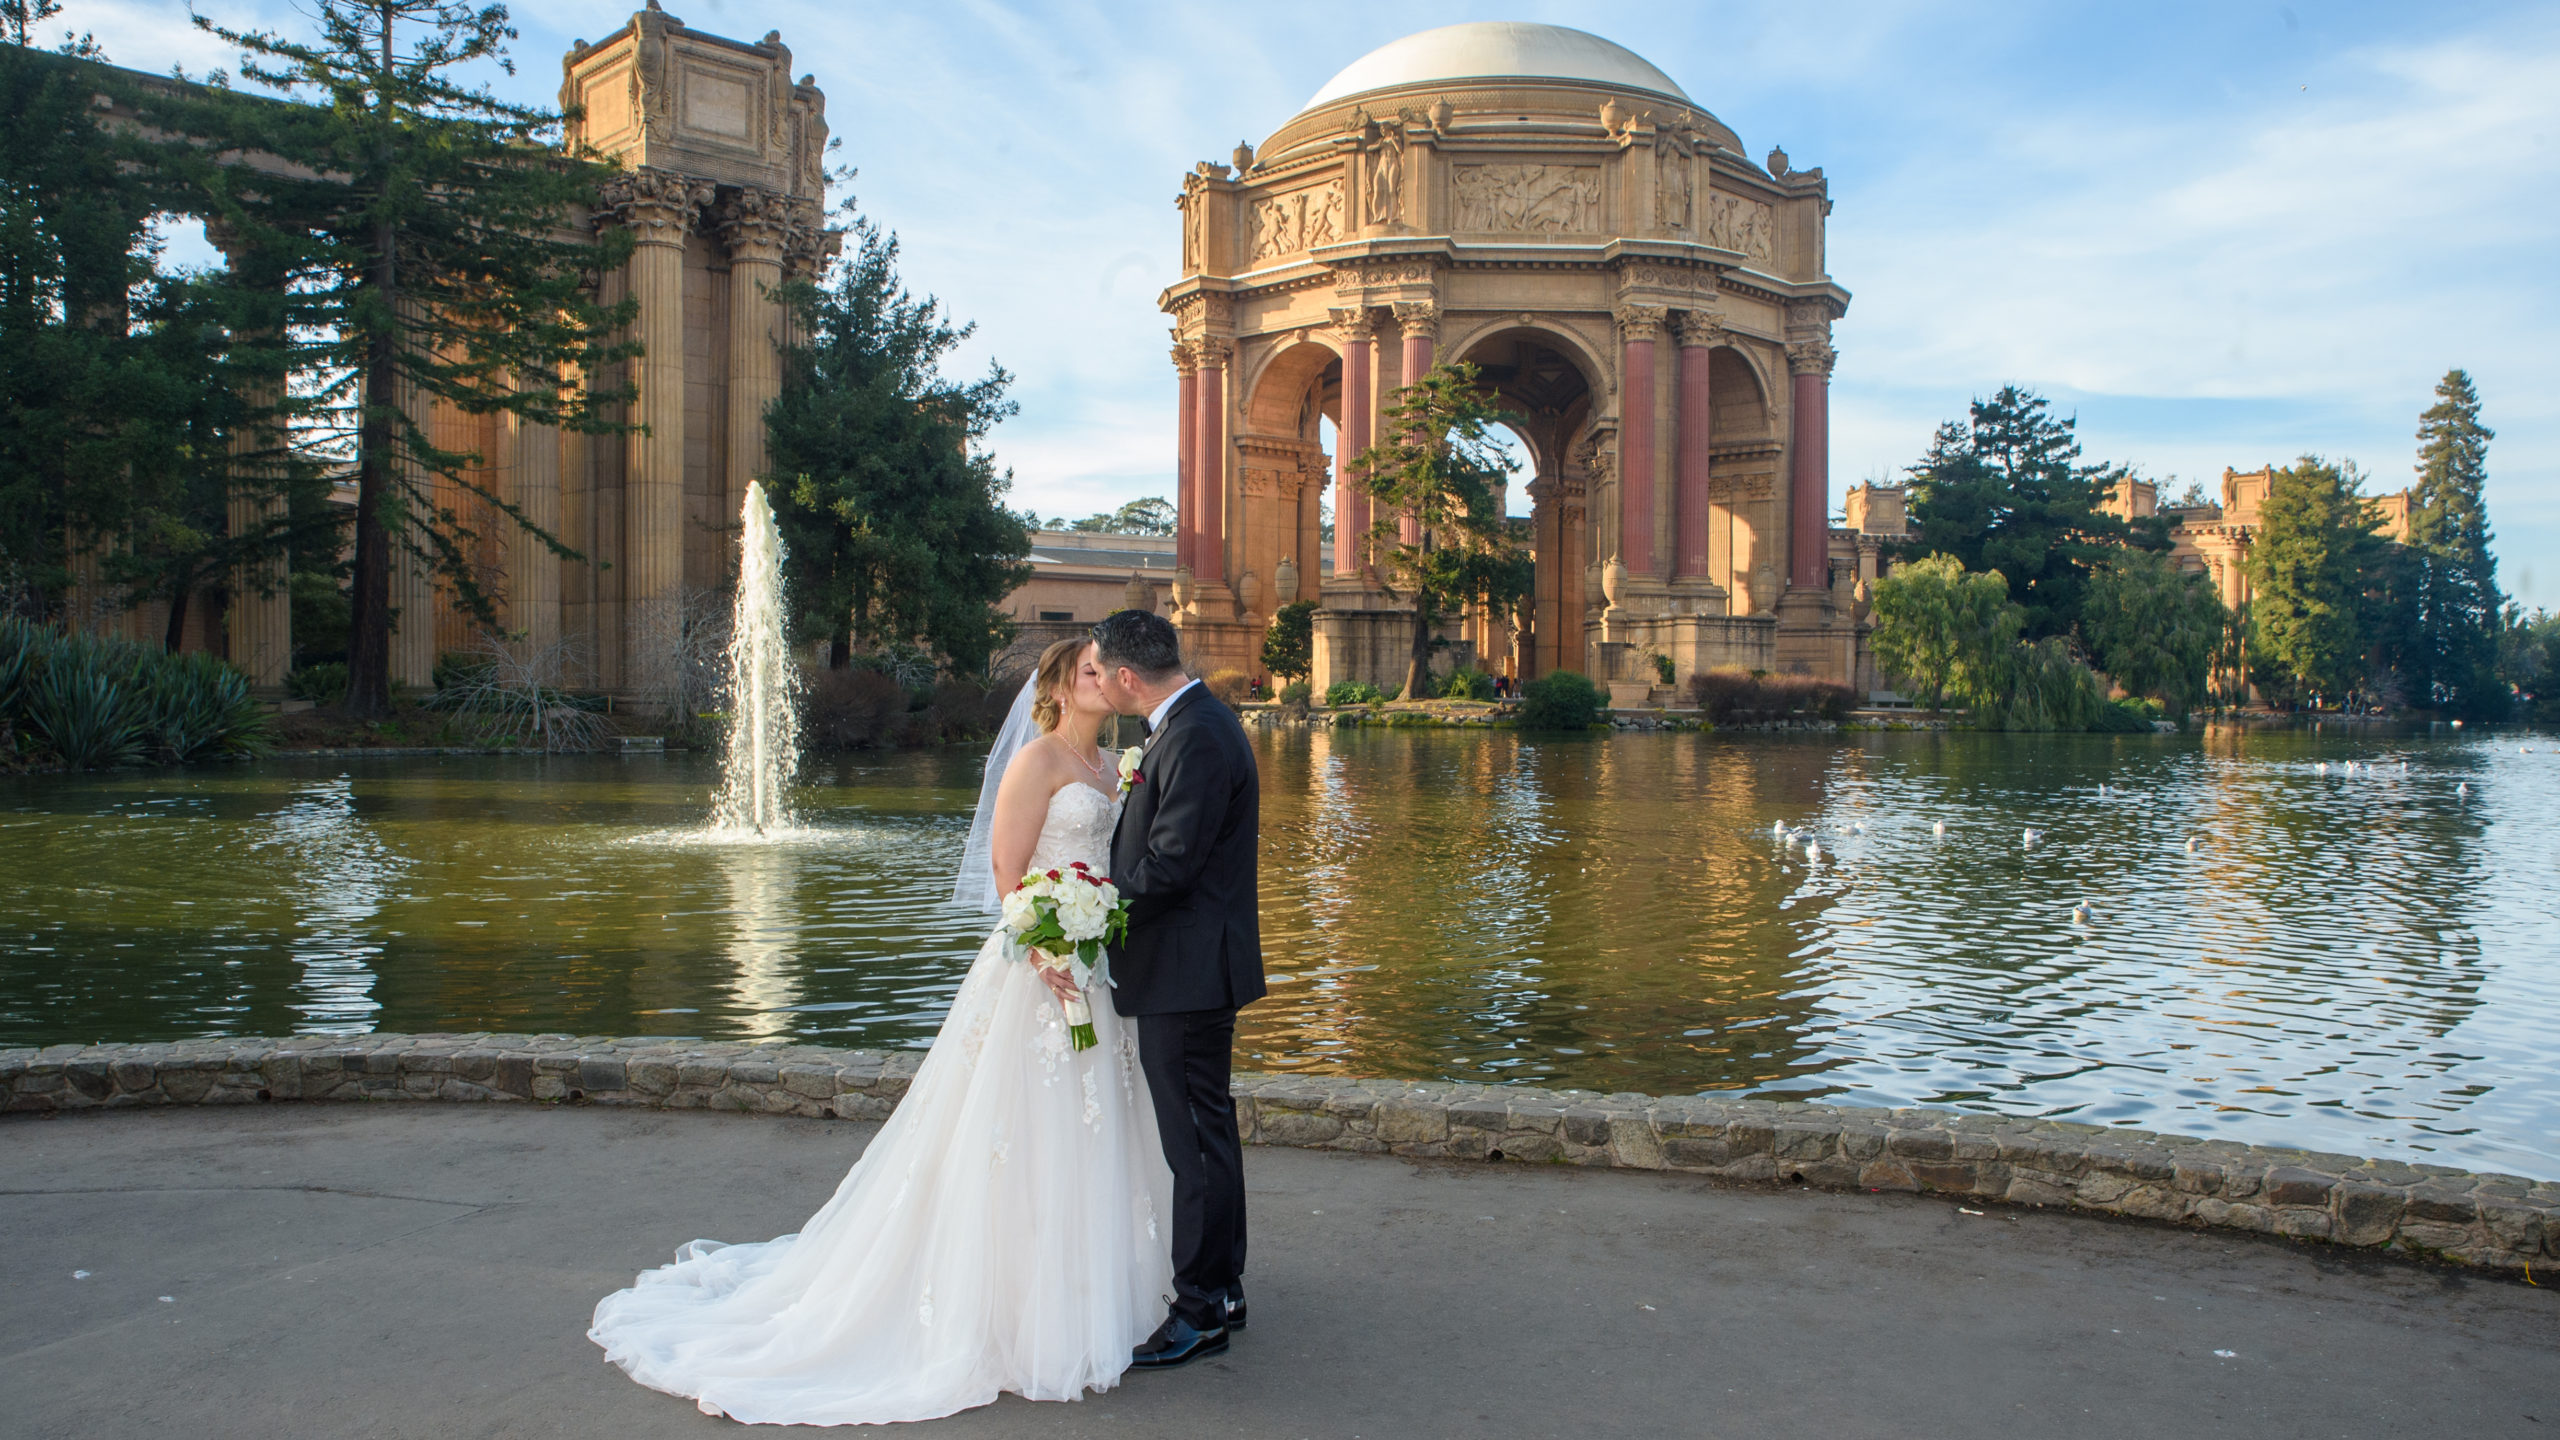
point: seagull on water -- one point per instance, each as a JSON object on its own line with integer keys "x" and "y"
{"x": 2321, "y": 768}
{"x": 1778, "y": 828}
{"x": 2462, "y": 789}
{"x": 1939, "y": 829}
{"x": 1813, "y": 852}
{"x": 2031, "y": 836}
{"x": 2081, "y": 914}
{"x": 2192, "y": 844}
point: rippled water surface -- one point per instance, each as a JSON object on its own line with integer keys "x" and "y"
{"x": 2361, "y": 960}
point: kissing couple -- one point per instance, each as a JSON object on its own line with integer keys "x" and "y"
{"x": 1035, "y": 1217}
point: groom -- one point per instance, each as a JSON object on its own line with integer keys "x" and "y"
{"x": 1184, "y": 857}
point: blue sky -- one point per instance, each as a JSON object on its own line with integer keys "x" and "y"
{"x": 2220, "y": 234}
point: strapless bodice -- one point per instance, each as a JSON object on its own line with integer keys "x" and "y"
{"x": 1078, "y": 828}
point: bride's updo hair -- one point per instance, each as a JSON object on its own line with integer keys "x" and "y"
{"x": 1056, "y": 680}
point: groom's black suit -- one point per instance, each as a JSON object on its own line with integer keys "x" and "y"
{"x": 1184, "y": 855}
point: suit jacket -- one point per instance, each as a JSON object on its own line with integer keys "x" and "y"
{"x": 1185, "y": 856}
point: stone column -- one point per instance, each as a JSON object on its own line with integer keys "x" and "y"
{"x": 1186, "y": 494}
{"x": 753, "y": 225}
{"x": 1809, "y": 469}
{"x": 1420, "y": 320}
{"x": 1700, "y": 332}
{"x": 1350, "y": 497}
{"x": 1209, "y": 468}
{"x": 533, "y": 573}
{"x": 660, "y": 208}
{"x": 260, "y": 613}
{"x": 413, "y": 593}
{"x": 1637, "y": 326}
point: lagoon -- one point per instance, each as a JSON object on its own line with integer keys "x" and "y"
{"x": 2361, "y": 961}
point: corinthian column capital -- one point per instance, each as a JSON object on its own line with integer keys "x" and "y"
{"x": 1700, "y": 327}
{"x": 1811, "y": 357}
{"x": 1640, "y": 322}
{"x": 1354, "y": 323}
{"x": 1418, "y": 317}
{"x": 757, "y": 224}
{"x": 660, "y": 206}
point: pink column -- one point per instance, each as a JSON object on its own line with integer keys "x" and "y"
{"x": 1635, "y": 442}
{"x": 1209, "y": 468}
{"x": 1420, "y": 321}
{"x": 1809, "y": 487}
{"x": 1350, "y": 501}
{"x": 1186, "y": 494}
{"x": 1696, "y": 437}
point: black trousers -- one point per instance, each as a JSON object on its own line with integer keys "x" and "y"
{"x": 1187, "y": 1058}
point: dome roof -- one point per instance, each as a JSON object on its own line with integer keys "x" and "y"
{"x": 1497, "y": 49}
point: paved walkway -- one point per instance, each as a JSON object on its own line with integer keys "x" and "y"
{"x": 427, "y": 1270}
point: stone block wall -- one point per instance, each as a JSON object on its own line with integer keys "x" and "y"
{"x": 2500, "y": 1222}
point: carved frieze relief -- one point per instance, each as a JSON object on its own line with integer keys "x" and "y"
{"x": 1527, "y": 199}
{"x": 1358, "y": 275}
{"x": 1297, "y": 221}
{"x": 1734, "y": 222}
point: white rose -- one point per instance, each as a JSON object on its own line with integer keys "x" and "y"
{"x": 1081, "y": 912}
{"x": 1020, "y": 913}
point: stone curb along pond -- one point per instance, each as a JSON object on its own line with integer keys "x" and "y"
{"x": 2501, "y": 1222}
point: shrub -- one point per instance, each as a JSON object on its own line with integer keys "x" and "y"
{"x": 1559, "y": 700}
{"x": 1392, "y": 691}
{"x": 1229, "y": 685}
{"x": 1467, "y": 683}
{"x": 856, "y": 707}
{"x": 93, "y": 702}
{"x": 321, "y": 684}
{"x": 1351, "y": 692}
{"x": 514, "y": 692}
{"x": 1662, "y": 669}
{"x": 1288, "y": 646}
{"x": 1296, "y": 692}
{"x": 2048, "y": 689}
{"x": 1747, "y": 697}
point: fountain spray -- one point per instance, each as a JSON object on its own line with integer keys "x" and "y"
{"x": 763, "y": 698}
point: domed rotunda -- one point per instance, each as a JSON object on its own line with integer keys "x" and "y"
{"x": 1650, "y": 306}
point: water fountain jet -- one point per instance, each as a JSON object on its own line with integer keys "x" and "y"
{"x": 763, "y": 689}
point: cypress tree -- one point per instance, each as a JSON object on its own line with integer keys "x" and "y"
{"x": 893, "y": 521}
{"x": 2453, "y": 646}
{"x": 2311, "y": 565}
{"x": 426, "y": 230}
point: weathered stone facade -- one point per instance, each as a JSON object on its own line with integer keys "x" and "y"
{"x": 2502, "y": 1222}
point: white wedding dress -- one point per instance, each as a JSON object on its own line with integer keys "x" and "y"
{"x": 1003, "y": 1231}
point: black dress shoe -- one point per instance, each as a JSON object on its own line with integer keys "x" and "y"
{"x": 1235, "y": 1307}
{"x": 1177, "y": 1342}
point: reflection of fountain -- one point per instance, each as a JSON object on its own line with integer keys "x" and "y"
{"x": 346, "y": 875}
{"x": 764, "y": 717}
{"x": 762, "y": 927}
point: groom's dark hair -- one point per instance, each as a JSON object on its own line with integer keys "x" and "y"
{"x": 1139, "y": 640}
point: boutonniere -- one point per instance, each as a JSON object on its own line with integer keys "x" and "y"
{"x": 1129, "y": 776}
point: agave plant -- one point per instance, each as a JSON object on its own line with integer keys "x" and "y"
{"x": 202, "y": 709}
{"x": 81, "y": 703}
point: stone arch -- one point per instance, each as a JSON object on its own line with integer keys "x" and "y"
{"x": 1742, "y": 405}
{"x": 1277, "y": 390}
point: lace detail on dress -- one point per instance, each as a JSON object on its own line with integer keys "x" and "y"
{"x": 1078, "y": 828}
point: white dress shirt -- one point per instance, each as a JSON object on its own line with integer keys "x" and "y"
{"x": 1155, "y": 717}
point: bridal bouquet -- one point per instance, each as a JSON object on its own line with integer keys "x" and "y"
{"x": 1063, "y": 916}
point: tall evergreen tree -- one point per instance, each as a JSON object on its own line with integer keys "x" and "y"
{"x": 1442, "y": 468}
{"x": 2311, "y": 567}
{"x": 2007, "y": 491}
{"x": 424, "y": 227}
{"x": 2453, "y": 627}
{"x": 121, "y": 387}
{"x": 893, "y": 518}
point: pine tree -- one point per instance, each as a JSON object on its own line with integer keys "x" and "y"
{"x": 2454, "y": 644}
{"x": 893, "y": 521}
{"x": 2007, "y": 491}
{"x": 425, "y": 228}
{"x": 1442, "y": 469}
{"x": 2311, "y": 565}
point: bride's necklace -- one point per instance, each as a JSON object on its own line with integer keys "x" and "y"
{"x": 1090, "y": 767}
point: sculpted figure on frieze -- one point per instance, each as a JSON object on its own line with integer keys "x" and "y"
{"x": 1528, "y": 199}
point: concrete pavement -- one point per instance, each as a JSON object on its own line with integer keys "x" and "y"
{"x": 428, "y": 1270}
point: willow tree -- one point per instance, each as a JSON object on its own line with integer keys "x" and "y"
{"x": 1440, "y": 477}
{"x": 1949, "y": 631}
{"x": 2154, "y": 628}
{"x": 423, "y": 234}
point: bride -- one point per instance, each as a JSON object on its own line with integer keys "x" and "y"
{"x": 1002, "y": 1231}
